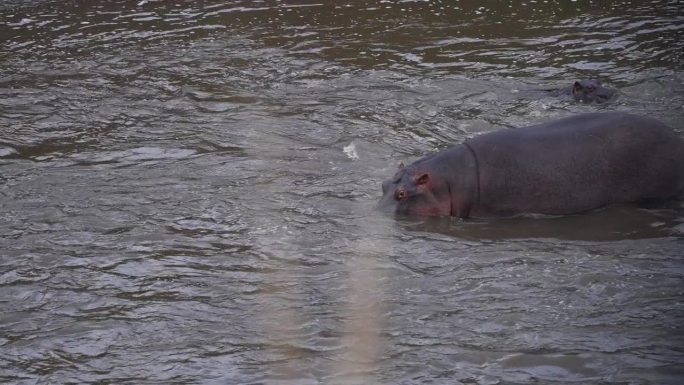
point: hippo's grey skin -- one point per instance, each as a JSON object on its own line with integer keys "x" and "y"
{"x": 565, "y": 166}
{"x": 588, "y": 91}
{"x": 585, "y": 91}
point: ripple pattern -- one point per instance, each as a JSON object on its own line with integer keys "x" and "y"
{"x": 178, "y": 206}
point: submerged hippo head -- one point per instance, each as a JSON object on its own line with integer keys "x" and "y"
{"x": 442, "y": 184}
{"x": 588, "y": 91}
{"x": 416, "y": 192}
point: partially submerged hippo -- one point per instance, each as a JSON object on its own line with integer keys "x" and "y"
{"x": 585, "y": 91}
{"x": 588, "y": 91}
{"x": 565, "y": 166}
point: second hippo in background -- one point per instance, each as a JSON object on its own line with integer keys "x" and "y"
{"x": 583, "y": 91}
{"x": 591, "y": 90}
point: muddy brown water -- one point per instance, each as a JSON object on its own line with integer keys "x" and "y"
{"x": 187, "y": 193}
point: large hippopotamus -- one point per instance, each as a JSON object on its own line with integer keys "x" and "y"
{"x": 565, "y": 166}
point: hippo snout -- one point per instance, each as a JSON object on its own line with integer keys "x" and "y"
{"x": 387, "y": 203}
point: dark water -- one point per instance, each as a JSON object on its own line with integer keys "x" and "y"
{"x": 187, "y": 194}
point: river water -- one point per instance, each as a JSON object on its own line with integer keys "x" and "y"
{"x": 187, "y": 193}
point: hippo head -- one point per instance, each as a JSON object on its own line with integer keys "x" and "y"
{"x": 416, "y": 192}
{"x": 588, "y": 91}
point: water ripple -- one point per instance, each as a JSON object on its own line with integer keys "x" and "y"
{"x": 178, "y": 206}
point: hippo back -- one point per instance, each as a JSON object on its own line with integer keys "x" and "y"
{"x": 577, "y": 164}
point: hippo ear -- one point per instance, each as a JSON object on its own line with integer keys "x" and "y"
{"x": 578, "y": 86}
{"x": 401, "y": 165}
{"x": 423, "y": 179}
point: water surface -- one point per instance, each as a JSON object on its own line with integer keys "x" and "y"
{"x": 179, "y": 208}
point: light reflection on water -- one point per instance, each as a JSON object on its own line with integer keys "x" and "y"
{"x": 178, "y": 206}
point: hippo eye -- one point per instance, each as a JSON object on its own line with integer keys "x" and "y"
{"x": 400, "y": 194}
{"x": 591, "y": 88}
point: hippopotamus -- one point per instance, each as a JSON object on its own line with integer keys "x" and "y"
{"x": 585, "y": 91}
{"x": 566, "y": 166}
{"x": 588, "y": 91}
